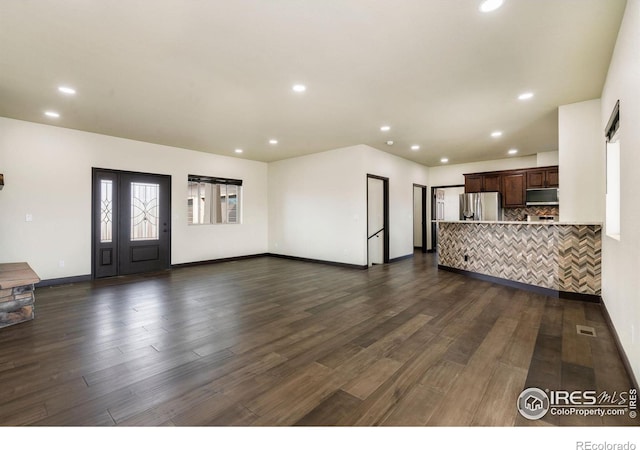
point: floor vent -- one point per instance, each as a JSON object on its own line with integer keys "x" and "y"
{"x": 585, "y": 330}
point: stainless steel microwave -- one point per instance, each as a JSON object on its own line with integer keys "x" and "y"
{"x": 542, "y": 196}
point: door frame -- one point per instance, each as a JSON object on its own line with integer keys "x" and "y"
{"x": 116, "y": 231}
{"x": 423, "y": 214}
{"x": 385, "y": 217}
{"x": 432, "y": 210}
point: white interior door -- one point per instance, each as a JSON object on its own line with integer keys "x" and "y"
{"x": 375, "y": 220}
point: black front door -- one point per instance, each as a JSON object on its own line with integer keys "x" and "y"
{"x": 131, "y": 222}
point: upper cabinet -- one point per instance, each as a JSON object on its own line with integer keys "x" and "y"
{"x": 512, "y": 184}
{"x": 473, "y": 183}
{"x": 483, "y": 183}
{"x": 491, "y": 183}
{"x": 542, "y": 178}
{"x": 514, "y": 189}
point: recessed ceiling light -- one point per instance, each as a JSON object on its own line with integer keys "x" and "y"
{"x": 513, "y": 151}
{"x": 496, "y": 134}
{"x": 52, "y": 114}
{"x": 415, "y": 147}
{"x": 299, "y": 87}
{"x": 273, "y": 141}
{"x": 385, "y": 128}
{"x": 525, "y": 96}
{"x": 389, "y": 142}
{"x": 67, "y": 90}
{"x": 238, "y": 150}
{"x": 444, "y": 160}
{"x": 490, "y": 5}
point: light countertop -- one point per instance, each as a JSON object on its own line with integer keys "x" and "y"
{"x": 521, "y": 222}
{"x": 16, "y": 274}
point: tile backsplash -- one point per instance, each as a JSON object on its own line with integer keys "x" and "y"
{"x": 520, "y": 214}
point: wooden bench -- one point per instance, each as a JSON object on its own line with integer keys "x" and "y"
{"x": 17, "y": 296}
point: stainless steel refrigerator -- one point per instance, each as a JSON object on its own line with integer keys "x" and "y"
{"x": 481, "y": 206}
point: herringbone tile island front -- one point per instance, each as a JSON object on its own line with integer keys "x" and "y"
{"x": 561, "y": 257}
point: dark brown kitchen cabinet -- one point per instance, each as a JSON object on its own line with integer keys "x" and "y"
{"x": 513, "y": 190}
{"x": 542, "y": 178}
{"x": 535, "y": 179}
{"x": 512, "y": 184}
{"x": 482, "y": 183}
{"x": 553, "y": 180}
{"x": 491, "y": 183}
{"x": 472, "y": 183}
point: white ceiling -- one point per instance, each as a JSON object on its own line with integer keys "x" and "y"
{"x": 216, "y": 75}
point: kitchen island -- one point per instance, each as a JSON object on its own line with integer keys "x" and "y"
{"x": 555, "y": 258}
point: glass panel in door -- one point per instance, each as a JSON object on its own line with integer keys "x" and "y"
{"x": 106, "y": 211}
{"x": 144, "y": 211}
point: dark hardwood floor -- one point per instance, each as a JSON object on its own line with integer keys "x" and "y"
{"x": 270, "y": 341}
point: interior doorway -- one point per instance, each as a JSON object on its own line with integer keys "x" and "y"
{"x": 420, "y": 217}
{"x": 131, "y": 215}
{"x": 377, "y": 220}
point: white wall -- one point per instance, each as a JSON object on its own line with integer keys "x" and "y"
{"x": 48, "y": 174}
{"x": 621, "y": 259}
{"x": 547, "y": 159}
{"x": 317, "y": 203}
{"x": 318, "y": 206}
{"x": 452, "y": 174}
{"x": 581, "y": 157}
{"x": 447, "y": 175}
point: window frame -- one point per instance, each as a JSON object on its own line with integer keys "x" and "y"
{"x": 213, "y": 212}
{"x": 613, "y": 181}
